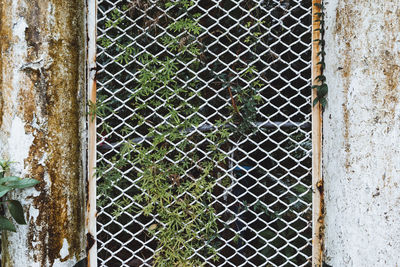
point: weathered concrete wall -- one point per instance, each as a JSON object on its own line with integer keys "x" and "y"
{"x": 41, "y": 118}
{"x": 361, "y": 147}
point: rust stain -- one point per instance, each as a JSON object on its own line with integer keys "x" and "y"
{"x": 346, "y": 73}
{"x": 391, "y": 72}
{"x": 381, "y": 63}
{"x": 51, "y": 93}
{"x": 321, "y": 218}
{"x": 345, "y": 28}
{"x": 63, "y": 138}
{"x": 4, "y": 46}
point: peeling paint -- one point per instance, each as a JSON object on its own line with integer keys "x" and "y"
{"x": 361, "y": 133}
{"x": 19, "y": 144}
{"x": 42, "y": 127}
{"x": 64, "y": 249}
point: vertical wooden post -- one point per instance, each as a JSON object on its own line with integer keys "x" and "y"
{"x": 91, "y": 205}
{"x": 317, "y": 182}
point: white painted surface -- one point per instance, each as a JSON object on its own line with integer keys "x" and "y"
{"x": 19, "y": 144}
{"x": 64, "y": 249}
{"x": 361, "y": 147}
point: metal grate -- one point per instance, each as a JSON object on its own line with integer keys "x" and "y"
{"x": 262, "y": 191}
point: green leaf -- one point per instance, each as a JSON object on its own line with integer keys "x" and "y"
{"x": 5, "y": 224}
{"x": 322, "y": 90}
{"x": 4, "y": 190}
{"x": 324, "y": 102}
{"x": 315, "y": 101}
{"x": 23, "y": 183}
{"x": 16, "y": 210}
{"x": 9, "y": 179}
{"x": 322, "y": 65}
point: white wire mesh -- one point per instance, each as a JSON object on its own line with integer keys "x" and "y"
{"x": 264, "y": 212}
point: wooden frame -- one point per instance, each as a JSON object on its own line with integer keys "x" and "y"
{"x": 317, "y": 182}
{"x": 91, "y": 213}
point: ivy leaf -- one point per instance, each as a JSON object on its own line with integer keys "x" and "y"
{"x": 323, "y": 102}
{"x": 23, "y": 183}
{"x": 315, "y": 101}
{"x": 322, "y": 90}
{"x": 5, "y": 224}
{"x": 16, "y": 210}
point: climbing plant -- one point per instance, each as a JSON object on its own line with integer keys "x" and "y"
{"x": 321, "y": 87}
{"x": 175, "y": 144}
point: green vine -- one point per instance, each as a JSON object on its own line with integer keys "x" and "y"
{"x": 322, "y": 87}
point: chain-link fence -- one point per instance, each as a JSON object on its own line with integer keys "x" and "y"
{"x": 204, "y": 126}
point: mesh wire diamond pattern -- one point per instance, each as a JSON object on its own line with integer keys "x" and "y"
{"x": 263, "y": 197}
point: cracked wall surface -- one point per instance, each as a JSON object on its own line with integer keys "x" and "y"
{"x": 361, "y": 131}
{"x": 42, "y": 103}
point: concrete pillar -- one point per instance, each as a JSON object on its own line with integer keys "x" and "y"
{"x": 361, "y": 131}
{"x": 42, "y": 117}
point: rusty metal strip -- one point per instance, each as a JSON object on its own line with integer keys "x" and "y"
{"x": 317, "y": 181}
{"x": 91, "y": 185}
